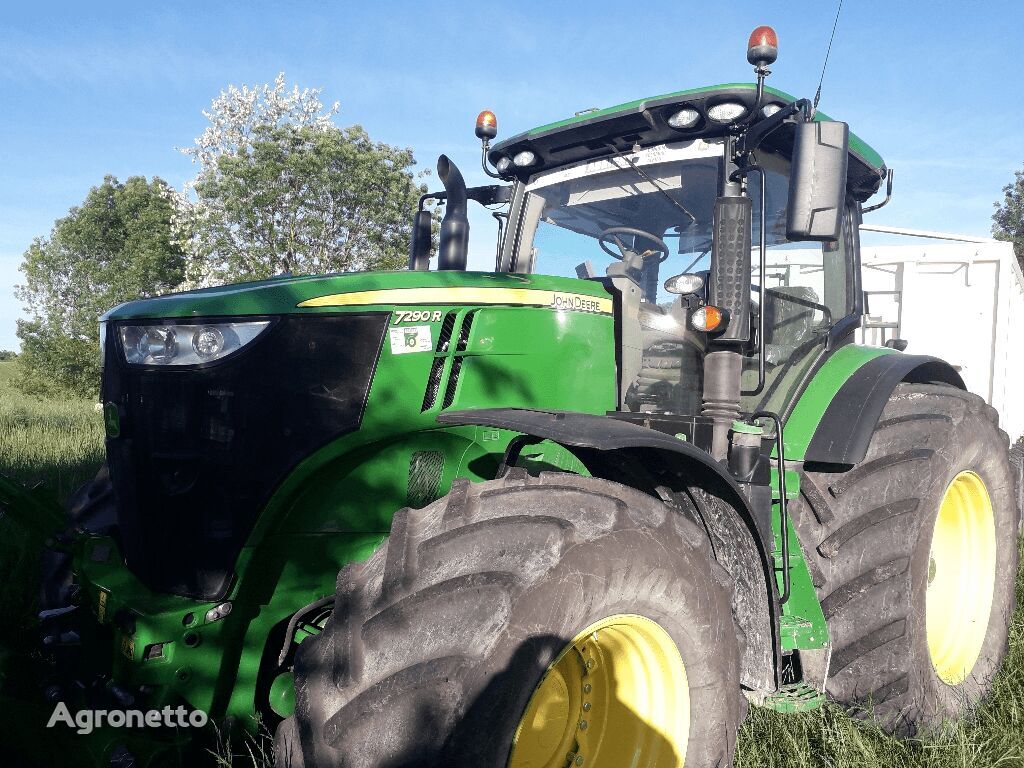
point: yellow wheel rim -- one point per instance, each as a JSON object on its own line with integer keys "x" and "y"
{"x": 616, "y": 696}
{"x": 961, "y": 578}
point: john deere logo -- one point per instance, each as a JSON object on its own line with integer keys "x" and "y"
{"x": 111, "y": 420}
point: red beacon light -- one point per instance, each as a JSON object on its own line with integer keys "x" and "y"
{"x": 486, "y": 125}
{"x": 763, "y": 47}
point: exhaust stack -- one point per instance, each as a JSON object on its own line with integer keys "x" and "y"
{"x": 454, "y": 243}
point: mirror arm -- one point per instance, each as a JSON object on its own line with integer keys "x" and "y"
{"x": 485, "y": 147}
{"x": 888, "y": 195}
{"x": 759, "y": 131}
{"x": 439, "y": 196}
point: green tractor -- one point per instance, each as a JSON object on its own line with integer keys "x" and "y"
{"x": 585, "y": 506}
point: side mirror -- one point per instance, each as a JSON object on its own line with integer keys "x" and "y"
{"x": 419, "y": 246}
{"x": 729, "y": 279}
{"x": 817, "y": 184}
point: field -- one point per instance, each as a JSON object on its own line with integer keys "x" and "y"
{"x": 60, "y": 444}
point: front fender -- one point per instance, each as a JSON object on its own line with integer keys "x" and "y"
{"x": 680, "y": 474}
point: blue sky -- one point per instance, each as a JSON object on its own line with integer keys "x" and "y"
{"x": 87, "y": 91}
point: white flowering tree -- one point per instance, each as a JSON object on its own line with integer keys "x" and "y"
{"x": 280, "y": 188}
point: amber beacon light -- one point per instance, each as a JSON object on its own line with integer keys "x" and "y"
{"x": 763, "y": 47}
{"x": 486, "y": 125}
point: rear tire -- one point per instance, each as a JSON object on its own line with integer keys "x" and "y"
{"x": 439, "y": 640}
{"x": 868, "y": 536}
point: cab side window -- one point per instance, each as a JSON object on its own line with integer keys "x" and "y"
{"x": 806, "y": 292}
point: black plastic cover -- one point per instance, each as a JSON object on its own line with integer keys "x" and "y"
{"x": 729, "y": 280}
{"x": 817, "y": 185}
{"x": 201, "y": 450}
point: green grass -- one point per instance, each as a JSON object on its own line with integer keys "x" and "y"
{"x": 991, "y": 736}
{"x": 55, "y": 442}
{"x": 61, "y": 444}
{"x": 58, "y": 444}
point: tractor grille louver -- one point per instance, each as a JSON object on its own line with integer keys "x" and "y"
{"x": 433, "y": 384}
{"x": 453, "y": 377}
{"x": 453, "y": 382}
{"x": 442, "y": 352}
{"x": 467, "y": 326}
{"x": 425, "y": 469}
{"x": 444, "y": 339}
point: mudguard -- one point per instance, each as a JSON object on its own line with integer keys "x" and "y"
{"x": 846, "y": 426}
{"x": 664, "y": 466}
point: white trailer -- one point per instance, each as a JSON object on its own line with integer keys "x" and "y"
{"x": 956, "y": 297}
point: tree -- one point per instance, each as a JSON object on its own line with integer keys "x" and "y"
{"x": 117, "y": 246}
{"x": 280, "y": 188}
{"x": 1009, "y": 216}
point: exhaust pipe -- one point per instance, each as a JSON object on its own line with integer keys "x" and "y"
{"x": 453, "y": 248}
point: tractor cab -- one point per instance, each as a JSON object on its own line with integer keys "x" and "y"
{"x": 724, "y": 219}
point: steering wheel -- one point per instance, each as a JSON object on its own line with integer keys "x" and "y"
{"x": 611, "y": 234}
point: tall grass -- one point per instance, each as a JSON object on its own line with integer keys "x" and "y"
{"x": 58, "y": 443}
{"x": 61, "y": 445}
{"x": 55, "y": 442}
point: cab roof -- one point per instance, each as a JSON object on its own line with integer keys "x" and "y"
{"x": 645, "y": 121}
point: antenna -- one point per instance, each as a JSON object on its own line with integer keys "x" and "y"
{"x": 817, "y": 95}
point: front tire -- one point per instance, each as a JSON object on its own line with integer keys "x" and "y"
{"x": 528, "y": 622}
{"x": 914, "y": 556}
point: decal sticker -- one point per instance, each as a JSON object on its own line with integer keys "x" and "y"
{"x": 577, "y": 302}
{"x": 101, "y": 606}
{"x": 128, "y": 647}
{"x": 416, "y": 316}
{"x": 411, "y": 338}
{"x": 516, "y": 297}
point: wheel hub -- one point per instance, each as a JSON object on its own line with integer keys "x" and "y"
{"x": 616, "y": 695}
{"x": 961, "y": 578}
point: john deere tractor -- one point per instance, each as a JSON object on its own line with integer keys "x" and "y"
{"x": 586, "y": 506}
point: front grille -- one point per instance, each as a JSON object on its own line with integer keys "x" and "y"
{"x": 201, "y": 450}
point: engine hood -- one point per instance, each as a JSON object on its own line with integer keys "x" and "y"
{"x": 380, "y": 290}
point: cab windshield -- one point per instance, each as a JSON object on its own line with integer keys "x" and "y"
{"x": 667, "y": 192}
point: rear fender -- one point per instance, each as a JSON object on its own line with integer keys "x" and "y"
{"x": 686, "y": 478}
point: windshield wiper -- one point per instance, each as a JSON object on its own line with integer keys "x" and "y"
{"x": 643, "y": 175}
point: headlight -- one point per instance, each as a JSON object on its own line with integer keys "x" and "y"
{"x": 186, "y": 344}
